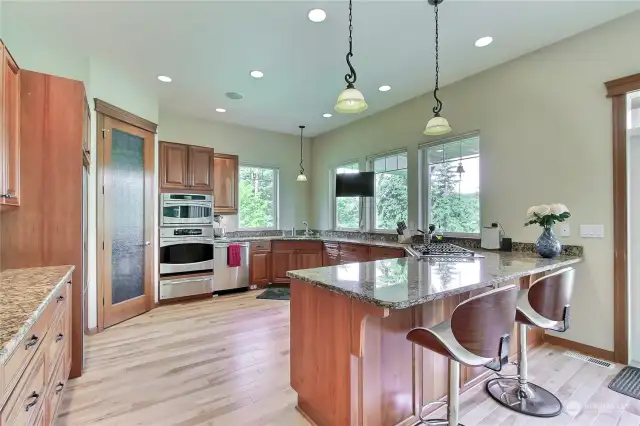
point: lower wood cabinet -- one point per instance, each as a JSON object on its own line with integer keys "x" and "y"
{"x": 307, "y": 259}
{"x": 260, "y": 268}
{"x": 331, "y": 254}
{"x": 33, "y": 378}
{"x": 291, "y": 255}
{"x": 283, "y": 260}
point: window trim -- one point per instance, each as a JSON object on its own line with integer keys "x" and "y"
{"x": 370, "y": 205}
{"x": 276, "y": 204}
{"x": 423, "y": 187}
{"x": 334, "y": 203}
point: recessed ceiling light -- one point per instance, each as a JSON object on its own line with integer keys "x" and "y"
{"x": 221, "y": 110}
{"x": 384, "y": 88}
{"x": 257, "y": 74}
{"x": 317, "y": 15}
{"x": 484, "y": 41}
{"x": 164, "y": 79}
{"x": 327, "y": 115}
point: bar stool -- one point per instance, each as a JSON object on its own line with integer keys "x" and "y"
{"x": 476, "y": 334}
{"x": 545, "y": 305}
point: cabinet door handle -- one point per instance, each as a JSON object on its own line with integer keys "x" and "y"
{"x": 32, "y": 342}
{"x": 59, "y": 387}
{"x": 8, "y": 196}
{"x": 35, "y": 396}
{"x": 60, "y": 299}
{"x": 69, "y": 282}
{"x": 59, "y": 337}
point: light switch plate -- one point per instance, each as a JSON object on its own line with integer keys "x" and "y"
{"x": 592, "y": 231}
{"x": 565, "y": 230}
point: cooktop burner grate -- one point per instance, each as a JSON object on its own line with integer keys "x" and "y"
{"x": 441, "y": 249}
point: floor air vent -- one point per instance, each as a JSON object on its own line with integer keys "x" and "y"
{"x": 590, "y": 359}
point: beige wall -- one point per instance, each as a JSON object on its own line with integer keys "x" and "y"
{"x": 255, "y": 147}
{"x": 545, "y": 128}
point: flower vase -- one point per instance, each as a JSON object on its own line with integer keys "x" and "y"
{"x": 548, "y": 246}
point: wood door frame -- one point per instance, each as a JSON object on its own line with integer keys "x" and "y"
{"x": 617, "y": 90}
{"x": 118, "y": 114}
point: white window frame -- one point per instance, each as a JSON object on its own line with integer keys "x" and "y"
{"x": 423, "y": 183}
{"x": 334, "y": 203}
{"x": 371, "y": 203}
{"x": 276, "y": 203}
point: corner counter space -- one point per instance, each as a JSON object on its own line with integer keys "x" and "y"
{"x": 35, "y": 342}
{"x": 350, "y": 360}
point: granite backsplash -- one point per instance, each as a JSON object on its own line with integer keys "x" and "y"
{"x": 471, "y": 243}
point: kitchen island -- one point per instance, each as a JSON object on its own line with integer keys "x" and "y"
{"x": 350, "y": 361}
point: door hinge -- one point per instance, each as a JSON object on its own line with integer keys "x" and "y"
{"x": 103, "y": 245}
{"x": 103, "y": 301}
{"x": 103, "y": 189}
{"x": 104, "y": 132}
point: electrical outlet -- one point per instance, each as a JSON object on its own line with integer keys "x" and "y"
{"x": 565, "y": 230}
{"x": 592, "y": 231}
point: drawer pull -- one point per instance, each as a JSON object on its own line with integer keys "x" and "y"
{"x": 59, "y": 387}
{"x": 60, "y": 299}
{"x": 59, "y": 337}
{"x": 32, "y": 342}
{"x": 35, "y": 396}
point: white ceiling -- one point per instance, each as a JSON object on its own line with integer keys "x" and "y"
{"x": 208, "y": 48}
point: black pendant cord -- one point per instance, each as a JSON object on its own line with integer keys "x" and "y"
{"x": 351, "y": 77}
{"x": 301, "y": 168}
{"x": 438, "y": 107}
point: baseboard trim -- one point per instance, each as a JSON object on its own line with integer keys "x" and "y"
{"x": 91, "y": 331}
{"x": 580, "y": 347}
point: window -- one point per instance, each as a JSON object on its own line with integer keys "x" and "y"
{"x": 390, "y": 203}
{"x": 451, "y": 179}
{"x": 347, "y": 208}
{"x": 258, "y": 193}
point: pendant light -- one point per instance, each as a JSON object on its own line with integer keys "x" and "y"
{"x": 460, "y": 169}
{"x": 301, "y": 177}
{"x": 437, "y": 125}
{"x": 351, "y": 100}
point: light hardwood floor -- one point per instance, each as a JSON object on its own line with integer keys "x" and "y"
{"x": 225, "y": 361}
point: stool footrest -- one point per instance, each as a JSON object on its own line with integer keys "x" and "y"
{"x": 525, "y": 398}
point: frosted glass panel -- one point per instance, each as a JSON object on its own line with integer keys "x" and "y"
{"x": 126, "y": 173}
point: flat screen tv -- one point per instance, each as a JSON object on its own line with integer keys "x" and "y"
{"x": 355, "y": 184}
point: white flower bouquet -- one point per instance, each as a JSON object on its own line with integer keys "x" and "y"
{"x": 547, "y": 215}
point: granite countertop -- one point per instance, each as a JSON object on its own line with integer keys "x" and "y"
{"x": 410, "y": 281}
{"x": 24, "y": 293}
{"x": 368, "y": 242}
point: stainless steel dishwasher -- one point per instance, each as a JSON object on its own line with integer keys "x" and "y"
{"x": 224, "y": 277}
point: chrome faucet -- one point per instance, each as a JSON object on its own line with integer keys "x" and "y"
{"x": 306, "y": 231}
{"x": 293, "y": 231}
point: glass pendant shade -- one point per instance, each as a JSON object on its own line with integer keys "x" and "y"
{"x": 351, "y": 101}
{"x": 437, "y": 126}
{"x": 301, "y": 178}
{"x": 460, "y": 169}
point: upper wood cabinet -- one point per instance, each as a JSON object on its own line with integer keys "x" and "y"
{"x": 225, "y": 183}
{"x": 9, "y": 130}
{"x": 201, "y": 168}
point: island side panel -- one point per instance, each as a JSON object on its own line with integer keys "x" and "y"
{"x": 320, "y": 354}
{"x": 388, "y": 392}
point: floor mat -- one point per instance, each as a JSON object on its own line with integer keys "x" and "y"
{"x": 627, "y": 382}
{"x": 275, "y": 293}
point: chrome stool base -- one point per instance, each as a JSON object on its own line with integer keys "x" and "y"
{"x": 534, "y": 401}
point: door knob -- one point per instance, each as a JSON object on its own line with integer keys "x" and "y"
{"x": 147, "y": 243}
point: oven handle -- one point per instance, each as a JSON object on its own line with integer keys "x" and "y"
{"x": 173, "y": 242}
{"x": 186, "y": 280}
{"x": 187, "y": 204}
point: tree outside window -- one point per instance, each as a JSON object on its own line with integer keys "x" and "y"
{"x": 454, "y": 192}
{"x": 258, "y": 197}
{"x": 391, "y": 197}
{"x": 347, "y": 208}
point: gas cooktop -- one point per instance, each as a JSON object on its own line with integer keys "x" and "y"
{"x": 442, "y": 249}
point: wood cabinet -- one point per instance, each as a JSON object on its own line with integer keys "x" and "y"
{"x": 35, "y": 374}
{"x": 350, "y": 253}
{"x": 185, "y": 167}
{"x": 292, "y": 255}
{"x": 200, "y": 169}
{"x": 225, "y": 183}
{"x": 381, "y": 253}
{"x": 331, "y": 254}
{"x": 260, "y": 263}
{"x": 9, "y": 130}
{"x": 341, "y": 253}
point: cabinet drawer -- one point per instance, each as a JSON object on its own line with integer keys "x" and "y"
{"x": 25, "y": 402}
{"x": 358, "y": 250}
{"x": 380, "y": 253}
{"x": 55, "y": 391}
{"x": 56, "y": 341}
{"x": 32, "y": 340}
{"x": 261, "y": 246}
{"x": 297, "y": 245}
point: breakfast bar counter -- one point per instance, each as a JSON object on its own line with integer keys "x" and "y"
{"x": 350, "y": 361}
